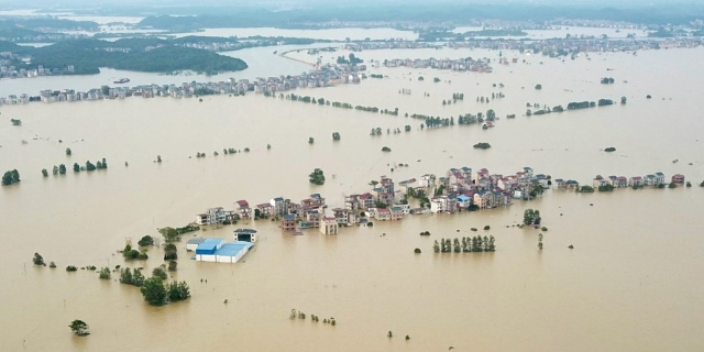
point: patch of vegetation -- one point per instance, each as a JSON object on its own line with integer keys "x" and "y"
{"x": 79, "y": 327}
{"x": 610, "y": 149}
{"x": 482, "y": 146}
{"x": 586, "y": 189}
{"x": 104, "y": 273}
{"x": 38, "y": 259}
{"x": 11, "y": 177}
{"x": 146, "y": 241}
{"x": 317, "y": 177}
{"x": 606, "y": 188}
{"x": 465, "y": 245}
{"x": 531, "y": 217}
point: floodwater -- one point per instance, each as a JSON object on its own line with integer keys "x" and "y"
{"x": 632, "y": 282}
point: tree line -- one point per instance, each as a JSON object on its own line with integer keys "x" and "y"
{"x": 465, "y": 245}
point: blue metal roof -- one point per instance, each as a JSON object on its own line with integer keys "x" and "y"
{"x": 209, "y": 245}
{"x": 463, "y": 198}
{"x": 233, "y": 248}
{"x": 289, "y": 217}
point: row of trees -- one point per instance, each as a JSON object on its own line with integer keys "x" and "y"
{"x": 465, "y": 245}
{"x": 531, "y": 217}
{"x": 337, "y": 104}
{"x": 153, "y": 289}
{"x": 174, "y": 234}
{"x": 10, "y": 177}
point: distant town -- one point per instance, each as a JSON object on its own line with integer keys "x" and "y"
{"x": 323, "y": 76}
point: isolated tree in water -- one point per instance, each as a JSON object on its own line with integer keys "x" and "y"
{"x": 154, "y": 291}
{"x": 79, "y": 327}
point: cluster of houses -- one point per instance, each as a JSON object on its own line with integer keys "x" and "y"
{"x": 7, "y": 70}
{"x": 465, "y": 64}
{"x": 460, "y": 189}
{"x": 550, "y": 47}
{"x": 323, "y": 76}
{"x": 651, "y": 180}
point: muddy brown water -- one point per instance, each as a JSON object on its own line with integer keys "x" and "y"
{"x": 632, "y": 282}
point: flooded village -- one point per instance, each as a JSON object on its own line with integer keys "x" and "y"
{"x": 360, "y": 248}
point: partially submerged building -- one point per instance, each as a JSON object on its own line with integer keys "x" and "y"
{"x": 217, "y": 251}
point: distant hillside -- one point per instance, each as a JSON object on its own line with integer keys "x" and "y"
{"x": 144, "y": 55}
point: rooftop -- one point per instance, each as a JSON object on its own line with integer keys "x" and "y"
{"x": 231, "y": 249}
{"x": 209, "y": 244}
{"x": 196, "y": 240}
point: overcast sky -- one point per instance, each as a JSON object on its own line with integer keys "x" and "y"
{"x": 103, "y": 3}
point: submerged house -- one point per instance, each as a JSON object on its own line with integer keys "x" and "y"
{"x": 213, "y": 216}
{"x": 245, "y": 235}
{"x": 244, "y": 210}
{"x": 288, "y": 223}
{"x": 329, "y": 226}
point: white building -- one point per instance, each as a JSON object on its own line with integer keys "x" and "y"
{"x": 193, "y": 243}
{"x": 213, "y": 216}
{"x": 329, "y": 226}
{"x": 438, "y": 204}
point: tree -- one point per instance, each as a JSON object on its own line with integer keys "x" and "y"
{"x": 45, "y": 173}
{"x": 146, "y": 241}
{"x": 154, "y": 291}
{"x": 311, "y": 140}
{"x": 385, "y": 149}
{"x": 62, "y": 169}
{"x": 76, "y": 167}
{"x": 90, "y": 166}
{"x": 38, "y": 259}
{"x": 317, "y": 177}
{"x": 68, "y": 151}
{"x": 178, "y": 291}
{"x": 126, "y": 276}
{"x": 158, "y": 158}
{"x": 528, "y": 217}
{"x": 173, "y": 265}
{"x": 160, "y": 273}
{"x": 79, "y": 327}
{"x": 336, "y": 136}
{"x": 170, "y": 234}
{"x": 105, "y": 273}
{"x": 137, "y": 278}
{"x": 11, "y": 177}
{"x": 538, "y": 86}
{"x": 170, "y": 252}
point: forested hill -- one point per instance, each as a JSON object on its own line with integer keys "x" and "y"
{"x": 144, "y": 55}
